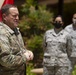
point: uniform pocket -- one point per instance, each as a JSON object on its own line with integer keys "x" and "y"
{"x": 46, "y": 60}
{"x": 63, "y": 61}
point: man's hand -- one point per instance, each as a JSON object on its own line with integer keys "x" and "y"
{"x": 29, "y": 55}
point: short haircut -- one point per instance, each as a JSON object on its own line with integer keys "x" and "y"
{"x": 5, "y": 8}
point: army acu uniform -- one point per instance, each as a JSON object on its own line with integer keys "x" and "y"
{"x": 12, "y": 59}
{"x": 56, "y": 61}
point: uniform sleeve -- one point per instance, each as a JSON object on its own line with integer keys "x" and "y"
{"x": 44, "y": 41}
{"x": 69, "y": 45}
{"x": 66, "y": 28}
{"x": 7, "y": 58}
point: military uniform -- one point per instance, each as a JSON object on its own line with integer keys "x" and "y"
{"x": 56, "y": 53}
{"x": 69, "y": 28}
{"x": 12, "y": 50}
{"x": 72, "y": 32}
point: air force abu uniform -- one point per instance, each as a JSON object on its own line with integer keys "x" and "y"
{"x": 72, "y": 32}
{"x": 56, "y": 53}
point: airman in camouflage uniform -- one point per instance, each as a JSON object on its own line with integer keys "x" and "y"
{"x": 72, "y": 31}
{"x": 71, "y": 27}
{"x": 13, "y": 54}
{"x": 57, "y": 50}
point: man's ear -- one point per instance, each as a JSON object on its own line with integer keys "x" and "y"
{"x": 4, "y": 16}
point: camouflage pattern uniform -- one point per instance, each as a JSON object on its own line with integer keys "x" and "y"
{"x": 69, "y": 28}
{"x": 72, "y": 32}
{"x": 12, "y": 59}
{"x": 56, "y": 52}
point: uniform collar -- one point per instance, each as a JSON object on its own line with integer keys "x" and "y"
{"x": 60, "y": 33}
{"x": 8, "y": 28}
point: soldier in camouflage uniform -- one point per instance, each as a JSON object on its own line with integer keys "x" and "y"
{"x": 71, "y": 27}
{"x": 13, "y": 54}
{"x": 57, "y": 49}
{"x": 72, "y": 31}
